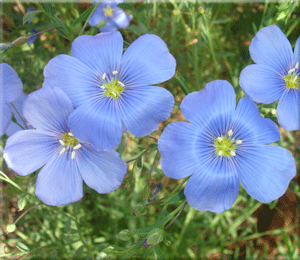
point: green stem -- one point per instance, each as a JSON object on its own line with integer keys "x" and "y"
{"x": 19, "y": 115}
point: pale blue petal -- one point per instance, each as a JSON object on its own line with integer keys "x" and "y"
{"x": 74, "y": 77}
{"x": 97, "y": 16}
{"x": 261, "y": 83}
{"x": 265, "y": 171}
{"x": 59, "y": 182}
{"x": 271, "y": 47}
{"x": 48, "y": 109}
{"x": 102, "y": 52}
{"x": 147, "y": 61}
{"x": 297, "y": 51}
{"x": 28, "y": 150}
{"x": 211, "y": 108}
{"x": 288, "y": 110}
{"x": 110, "y": 26}
{"x": 143, "y": 108}
{"x": 10, "y": 84}
{"x": 250, "y": 127}
{"x": 102, "y": 171}
{"x": 97, "y": 122}
{"x": 121, "y": 19}
{"x": 182, "y": 150}
{"x": 214, "y": 188}
{"x": 12, "y": 128}
{"x": 5, "y": 117}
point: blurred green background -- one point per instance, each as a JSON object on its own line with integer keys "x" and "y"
{"x": 209, "y": 41}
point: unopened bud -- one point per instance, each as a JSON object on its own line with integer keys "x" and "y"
{"x": 22, "y": 203}
{"x": 124, "y": 234}
{"x": 20, "y": 41}
{"x": 154, "y": 237}
{"x": 10, "y": 228}
{"x": 139, "y": 209}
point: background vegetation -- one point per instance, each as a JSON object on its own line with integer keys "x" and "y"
{"x": 209, "y": 41}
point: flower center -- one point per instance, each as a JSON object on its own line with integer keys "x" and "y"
{"x": 292, "y": 79}
{"x": 113, "y": 87}
{"x": 69, "y": 141}
{"x": 225, "y": 145}
{"x": 108, "y": 11}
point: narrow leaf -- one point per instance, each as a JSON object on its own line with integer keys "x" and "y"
{"x": 175, "y": 198}
{"x": 84, "y": 15}
{"x": 30, "y": 15}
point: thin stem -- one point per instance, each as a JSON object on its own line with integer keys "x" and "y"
{"x": 152, "y": 167}
{"x": 136, "y": 157}
{"x": 19, "y": 115}
{"x": 176, "y": 216}
{"x": 25, "y": 212}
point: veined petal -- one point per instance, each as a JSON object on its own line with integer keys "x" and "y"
{"x": 5, "y": 117}
{"x": 97, "y": 16}
{"x": 28, "y": 150}
{"x": 215, "y": 188}
{"x": 143, "y": 108}
{"x": 213, "y": 106}
{"x": 74, "y": 77}
{"x": 250, "y": 127}
{"x": 147, "y": 61}
{"x": 261, "y": 83}
{"x": 182, "y": 152}
{"x": 102, "y": 171}
{"x": 288, "y": 110}
{"x": 271, "y": 47}
{"x": 265, "y": 171}
{"x": 297, "y": 51}
{"x": 110, "y": 26}
{"x": 102, "y": 52}
{"x": 121, "y": 19}
{"x": 10, "y": 84}
{"x": 97, "y": 122}
{"x": 59, "y": 182}
{"x": 48, "y": 109}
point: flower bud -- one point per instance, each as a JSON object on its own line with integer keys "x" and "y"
{"x": 124, "y": 234}
{"x": 154, "y": 237}
{"x": 20, "y": 41}
{"x": 139, "y": 209}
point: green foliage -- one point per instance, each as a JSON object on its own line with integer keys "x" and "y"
{"x": 209, "y": 41}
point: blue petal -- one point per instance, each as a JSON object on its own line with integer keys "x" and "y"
{"x": 97, "y": 122}
{"x": 102, "y": 52}
{"x": 250, "y": 127}
{"x": 262, "y": 83}
{"x": 32, "y": 39}
{"x": 271, "y": 47}
{"x": 265, "y": 171}
{"x": 211, "y": 107}
{"x": 5, "y": 117}
{"x": 75, "y": 78}
{"x": 59, "y": 182}
{"x": 181, "y": 149}
{"x": 110, "y": 26}
{"x": 10, "y": 84}
{"x": 28, "y": 150}
{"x": 215, "y": 188}
{"x": 288, "y": 110}
{"x": 97, "y": 16}
{"x": 143, "y": 108}
{"x": 147, "y": 61}
{"x": 48, "y": 109}
{"x": 102, "y": 171}
{"x": 297, "y": 51}
{"x": 121, "y": 19}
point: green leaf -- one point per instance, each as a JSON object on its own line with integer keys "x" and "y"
{"x": 125, "y": 6}
{"x": 159, "y": 252}
{"x": 139, "y": 162}
{"x": 49, "y": 9}
{"x": 84, "y": 15}
{"x": 183, "y": 84}
{"x": 30, "y": 15}
{"x": 135, "y": 248}
{"x": 68, "y": 226}
{"x": 175, "y": 198}
{"x": 78, "y": 252}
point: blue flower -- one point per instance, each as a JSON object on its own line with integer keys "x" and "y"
{"x": 10, "y": 90}
{"x": 21, "y": 122}
{"x": 32, "y": 39}
{"x": 67, "y": 162}
{"x": 222, "y": 145}
{"x": 276, "y": 75}
{"x": 114, "y": 16}
{"x": 111, "y": 92}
